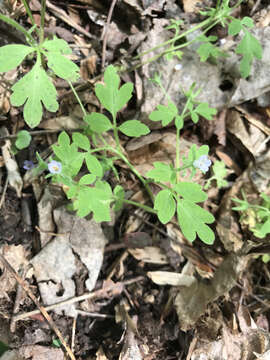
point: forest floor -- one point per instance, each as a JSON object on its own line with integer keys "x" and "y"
{"x": 133, "y": 288}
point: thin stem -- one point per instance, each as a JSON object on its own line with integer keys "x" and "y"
{"x": 178, "y": 140}
{"x": 77, "y": 97}
{"x": 144, "y": 207}
{"x": 20, "y": 28}
{"x": 115, "y": 133}
{"x": 202, "y": 24}
{"x": 42, "y": 21}
{"x": 29, "y": 12}
{"x": 132, "y": 168}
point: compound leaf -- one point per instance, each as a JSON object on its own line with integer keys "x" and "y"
{"x": 193, "y": 219}
{"x": 165, "y": 205}
{"x": 134, "y": 128}
{"x": 12, "y": 55}
{"x": 108, "y": 94}
{"x": 34, "y": 89}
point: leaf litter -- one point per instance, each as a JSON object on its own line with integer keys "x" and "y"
{"x": 76, "y": 258}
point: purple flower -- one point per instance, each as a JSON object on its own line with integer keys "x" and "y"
{"x": 28, "y": 165}
{"x": 203, "y": 163}
{"x": 54, "y": 167}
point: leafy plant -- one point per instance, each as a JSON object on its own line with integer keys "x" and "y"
{"x": 249, "y": 47}
{"x": 92, "y": 194}
{"x": 260, "y": 214}
{"x": 219, "y": 174}
{"x": 36, "y": 90}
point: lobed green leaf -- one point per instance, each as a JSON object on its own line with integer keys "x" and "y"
{"x": 193, "y": 219}
{"x": 32, "y": 90}
{"x": 108, "y": 94}
{"x": 165, "y": 114}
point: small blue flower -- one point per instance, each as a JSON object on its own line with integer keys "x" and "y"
{"x": 28, "y": 165}
{"x": 203, "y": 163}
{"x": 54, "y": 167}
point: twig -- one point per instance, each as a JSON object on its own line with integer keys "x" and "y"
{"x": 73, "y": 334}
{"x": 18, "y": 299}
{"x": 95, "y": 315}
{"x": 41, "y": 308}
{"x": 36, "y": 132}
{"x": 255, "y": 7}
{"x": 95, "y": 294}
{"x": 105, "y": 38}
{"x": 4, "y": 193}
{"x": 67, "y": 19}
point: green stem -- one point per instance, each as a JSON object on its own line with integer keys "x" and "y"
{"x": 184, "y": 34}
{"x": 29, "y": 12}
{"x": 20, "y": 28}
{"x": 178, "y": 140}
{"x": 144, "y": 207}
{"x": 126, "y": 161}
{"x": 77, "y": 97}
{"x": 115, "y": 133}
{"x": 42, "y": 21}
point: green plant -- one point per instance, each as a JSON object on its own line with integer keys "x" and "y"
{"x": 219, "y": 174}
{"x": 92, "y": 194}
{"x": 256, "y": 216}
{"x": 36, "y": 87}
{"x": 249, "y": 47}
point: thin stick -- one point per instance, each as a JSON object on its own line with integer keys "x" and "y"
{"x": 95, "y": 294}
{"x": 41, "y": 308}
{"x": 73, "y": 334}
{"x": 4, "y": 193}
{"x": 105, "y": 38}
{"x": 67, "y": 19}
{"x": 19, "y": 295}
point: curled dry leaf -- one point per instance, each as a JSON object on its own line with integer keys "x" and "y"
{"x": 171, "y": 278}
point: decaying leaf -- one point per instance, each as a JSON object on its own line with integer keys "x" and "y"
{"x": 191, "y": 303}
{"x": 14, "y": 177}
{"x": 171, "y": 278}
